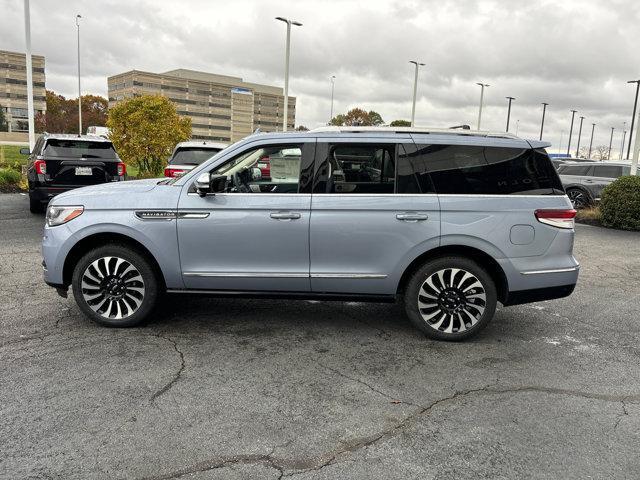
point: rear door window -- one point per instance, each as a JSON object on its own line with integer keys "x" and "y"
{"x": 79, "y": 149}
{"x": 607, "y": 171}
{"x": 192, "y": 155}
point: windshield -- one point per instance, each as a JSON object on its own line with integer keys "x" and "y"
{"x": 192, "y": 155}
{"x": 79, "y": 149}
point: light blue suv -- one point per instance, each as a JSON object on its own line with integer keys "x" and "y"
{"x": 450, "y": 222}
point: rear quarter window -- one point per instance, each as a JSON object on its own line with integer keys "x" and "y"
{"x": 607, "y": 171}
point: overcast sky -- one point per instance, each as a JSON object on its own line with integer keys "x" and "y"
{"x": 571, "y": 54}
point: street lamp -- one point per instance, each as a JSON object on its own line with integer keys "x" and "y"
{"x": 286, "y": 69}
{"x": 333, "y": 81}
{"x": 573, "y": 114}
{"x": 593, "y": 127}
{"x": 482, "y": 87}
{"x": 509, "y": 111}
{"x": 624, "y": 135}
{"x": 415, "y": 91}
{"x": 633, "y": 117}
{"x": 27, "y": 32}
{"x": 544, "y": 110}
{"x": 78, "y": 17}
{"x": 610, "y": 143}
{"x": 579, "y": 135}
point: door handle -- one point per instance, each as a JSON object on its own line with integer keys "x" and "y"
{"x": 412, "y": 217}
{"x": 285, "y": 215}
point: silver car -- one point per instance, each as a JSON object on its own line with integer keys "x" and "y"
{"x": 584, "y": 182}
{"x": 449, "y": 222}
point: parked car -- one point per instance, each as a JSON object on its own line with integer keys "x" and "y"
{"x": 188, "y": 155}
{"x": 62, "y": 162}
{"x": 448, "y": 222}
{"x": 584, "y": 182}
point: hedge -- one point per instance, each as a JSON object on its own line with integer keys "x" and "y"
{"x": 620, "y": 204}
{"x": 9, "y": 176}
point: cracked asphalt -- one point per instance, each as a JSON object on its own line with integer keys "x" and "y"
{"x": 247, "y": 389}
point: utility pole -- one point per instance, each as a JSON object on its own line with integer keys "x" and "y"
{"x": 482, "y": 87}
{"x": 633, "y": 116}
{"x": 624, "y": 135}
{"x": 573, "y": 114}
{"x": 593, "y": 127}
{"x": 544, "y": 110}
{"x": 610, "y": 143}
{"x": 30, "y": 116}
{"x": 286, "y": 69}
{"x": 579, "y": 135}
{"x": 509, "y": 111}
{"x": 78, "y": 17}
{"x": 333, "y": 81}
{"x": 415, "y": 91}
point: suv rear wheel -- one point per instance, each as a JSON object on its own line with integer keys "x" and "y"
{"x": 115, "y": 286}
{"x": 579, "y": 197}
{"x": 450, "y": 298}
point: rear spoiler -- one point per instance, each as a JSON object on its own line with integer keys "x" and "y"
{"x": 538, "y": 144}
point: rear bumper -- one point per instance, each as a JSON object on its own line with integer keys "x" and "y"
{"x": 44, "y": 194}
{"x": 538, "y": 294}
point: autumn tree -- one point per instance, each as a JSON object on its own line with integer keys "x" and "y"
{"x": 400, "y": 123}
{"x": 144, "y": 131}
{"x": 3, "y": 121}
{"x": 61, "y": 115}
{"x": 357, "y": 117}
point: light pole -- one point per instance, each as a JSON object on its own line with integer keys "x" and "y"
{"x": 633, "y": 117}
{"x": 624, "y": 135}
{"x": 286, "y": 69}
{"x": 482, "y": 87}
{"x": 573, "y": 114}
{"x": 517, "y": 126}
{"x": 78, "y": 17}
{"x": 27, "y": 32}
{"x": 579, "y": 135}
{"x": 333, "y": 81}
{"x": 544, "y": 110}
{"x": 636, "y": 149}
{"x": 415, "y": 91}
{"x": 560, "y": 144}
{"x": 610, "y": 143}
{"x": 593, "y": 127}
{"x": 509, "y": 111}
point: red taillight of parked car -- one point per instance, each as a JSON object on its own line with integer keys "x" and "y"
{"x": 264, "y": 164}
{"x": 122, "y": 169}
{"x": 40, "y": 166}
{"x": 173, "y": 172}
{"x": 561, "y": 218}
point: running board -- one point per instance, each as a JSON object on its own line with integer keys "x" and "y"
{"x": 339, "y": 297}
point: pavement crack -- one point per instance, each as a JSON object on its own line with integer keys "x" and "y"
{"x": 176, "y": 375}
{"x": 624, "y": 413}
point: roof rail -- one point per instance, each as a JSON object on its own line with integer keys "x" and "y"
{"x": 444, "y": 131}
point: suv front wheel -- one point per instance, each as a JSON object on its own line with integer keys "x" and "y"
{"x": 450, "y": 298}
{"x": 115, "y": 286}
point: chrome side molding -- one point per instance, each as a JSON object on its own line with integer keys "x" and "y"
{"x": 553, "y": 270}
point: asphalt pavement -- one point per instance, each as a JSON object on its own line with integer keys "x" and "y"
{"x": 260, "y": 389}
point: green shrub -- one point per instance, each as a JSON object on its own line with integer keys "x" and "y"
{"x": 620, "y": 204}
{"x": 9, "y": 177}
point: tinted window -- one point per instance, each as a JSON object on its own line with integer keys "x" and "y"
{"x": 460, "y": 169}
{"x": 79, "y": 149}
{"x": 574, "y": 169}
{"x": 413, "y": 176}
{"x": 359, "y": 169}
{"x": 192, "y": 156}
{"x": 607, "y": 171}
{"x": 267, "y": 169}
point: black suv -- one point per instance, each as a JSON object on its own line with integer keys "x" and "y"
{"x": 62, "y": 162}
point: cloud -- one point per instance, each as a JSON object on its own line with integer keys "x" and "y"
{"x": 571, "y": 54}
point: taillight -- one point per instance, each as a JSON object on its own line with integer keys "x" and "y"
{"x": 173, "y": 172}
{"x": 561, "y": 218}
{"x": 40, "y": 166}
{"x": 122, "y": 169}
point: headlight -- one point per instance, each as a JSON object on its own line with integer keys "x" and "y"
{"x": 62, "y": 214}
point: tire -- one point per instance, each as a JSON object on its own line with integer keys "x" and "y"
{"x": 451, "y": 282}
{"x": 35, "y": 205}
{"x": 115, "y": 286}
{"x": 579, "y": 197}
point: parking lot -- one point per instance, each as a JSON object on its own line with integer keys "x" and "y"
{"x": 236, "y": 388}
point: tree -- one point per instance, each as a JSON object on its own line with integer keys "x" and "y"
{"x": 357, "y": 117}
{"x": 301, "y": 128}
{"x": 62, "y": 114}
{"x": 601, "y": 152}
{"x": 3, "y": 121}
{"x": 144, "y": 131}
{"x": 583, "y": 152}
{"x": 400, "y": 123}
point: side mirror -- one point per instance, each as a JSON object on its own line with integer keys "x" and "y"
{"x": 25, "y": 151}
{"x": 203, "y": 184}
{"x": 218, "y": 183}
